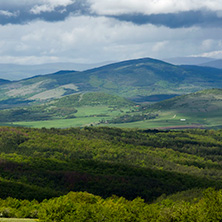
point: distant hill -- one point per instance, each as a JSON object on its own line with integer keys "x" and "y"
{"x": 91, "y": 99}
{"x": 215, "y": 64}
{"x": 201, "y": 109}
{"x": 129, "y": 79}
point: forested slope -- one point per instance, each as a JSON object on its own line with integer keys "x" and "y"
{"x": 174, "y": 172}
{"x": 41, "y": 163}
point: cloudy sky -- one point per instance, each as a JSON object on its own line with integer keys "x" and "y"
{"x": 92, "y": 31}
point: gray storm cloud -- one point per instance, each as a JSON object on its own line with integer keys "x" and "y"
{"x": 170, "y": 13}
{"x": 47, "y": 10}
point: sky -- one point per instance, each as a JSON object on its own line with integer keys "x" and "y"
{"x": 93, "y": 31}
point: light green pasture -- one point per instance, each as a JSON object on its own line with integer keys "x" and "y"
{"x": 86, "y": 115}
{"x": 90, "y": 115}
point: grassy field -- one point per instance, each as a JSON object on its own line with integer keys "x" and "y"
{"x": 90, "y": 117}
{"x": 86, "y": 115}
{"x": 174, "y": 120}
{"x": 61, "y": 123}
{"x": 93, "y": 115}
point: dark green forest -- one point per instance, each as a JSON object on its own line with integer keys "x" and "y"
{"x": 148, "y": 175}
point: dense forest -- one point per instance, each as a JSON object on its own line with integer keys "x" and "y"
{"x": 141, "y": 167}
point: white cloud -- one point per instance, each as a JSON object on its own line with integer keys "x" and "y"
{"x": 8, "y": 14}
{"x": 49, "y": 5}
{"x": 115, "y": 7}
{"x": 207, "y": 44}
{"x": 85, "y": 39}
{"x": 214, "y": 54}
{"x": 16, "y": 3}
{"x": 26, "y": 60}
{"x": 159, "y": 46}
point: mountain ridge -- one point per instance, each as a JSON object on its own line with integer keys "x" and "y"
{"x": 129, "y": 79}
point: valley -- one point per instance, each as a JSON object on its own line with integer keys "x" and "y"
{"x": 138, "y": 140}
{"x": 124, "y": 94}
{"x": 201, "y": 110}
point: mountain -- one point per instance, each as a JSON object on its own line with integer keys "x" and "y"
{"x": 4, "y": 81}
{"x": 189, "y": 60}
{"x": 129, "y": 79}
{"x": 215, "y": 64}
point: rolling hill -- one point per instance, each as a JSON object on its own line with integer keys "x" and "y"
{"x": 201, "y": 102}
{"x": 129, "y": 79}
{"x": 215, "y": 64}
{"x": 66, "y": 108}
{"x": 199, "y": 109}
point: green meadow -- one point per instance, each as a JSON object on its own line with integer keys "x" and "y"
{"x": 86, "y": 115}
{"x": 92, "y": 117}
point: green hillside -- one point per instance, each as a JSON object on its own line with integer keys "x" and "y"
{"x": 38, "y": 164}
{"x": 129, "y": 79}
{"x": 69, "y": 107}
{"x": 201, "y": 109}
{"x": 92, "y": 99}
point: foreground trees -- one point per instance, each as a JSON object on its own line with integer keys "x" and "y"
{"x": 82, "y": 206}
{"x": 43, "y": 163}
